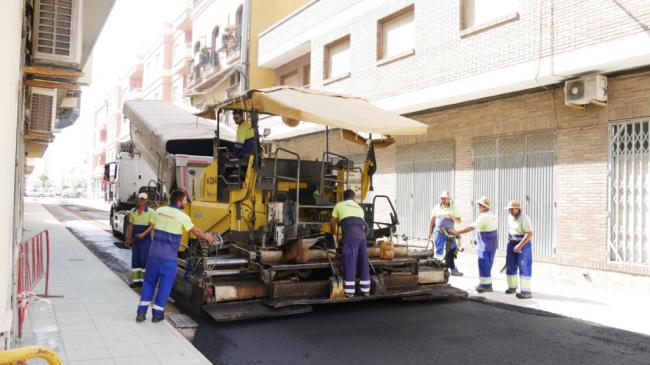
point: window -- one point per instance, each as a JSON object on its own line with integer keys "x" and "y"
{"x": 486, "y": 13}
{"x": 216, "y": 45}
{"x": 396, "y": 34}
{"x": 337, "y": 59}
{"x": 290, "y": 79}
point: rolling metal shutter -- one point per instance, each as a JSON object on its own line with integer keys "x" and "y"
{"x": 518, "y": 168}
{"x": 629, "y": 192}
{"x": 423, "y": 172}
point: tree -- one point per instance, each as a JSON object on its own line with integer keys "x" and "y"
{"x": 44, "y": 179}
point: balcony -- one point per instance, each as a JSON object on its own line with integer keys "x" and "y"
{"x": 207, "y": 69}
{"x": 291, "y": 37}
{"x": 182, "y": 58}
{"x": 231, "y": 41}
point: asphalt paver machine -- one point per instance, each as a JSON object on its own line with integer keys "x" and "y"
{"x": 272, "y": 208}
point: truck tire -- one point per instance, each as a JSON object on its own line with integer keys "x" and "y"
{"x": 125, "y": 227}
{"x": 115, "y": 232}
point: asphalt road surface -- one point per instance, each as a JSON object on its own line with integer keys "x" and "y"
{"x": 392, "y": 332}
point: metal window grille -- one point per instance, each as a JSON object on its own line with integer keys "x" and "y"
{"x": 423, "y": 172}
{"x": 518, "y": 168}
{"x": 629, "y": 192}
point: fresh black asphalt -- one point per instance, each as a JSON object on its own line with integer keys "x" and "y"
{"x": 394, "y": 332}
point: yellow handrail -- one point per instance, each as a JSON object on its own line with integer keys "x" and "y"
{"x": 20, "y": 355}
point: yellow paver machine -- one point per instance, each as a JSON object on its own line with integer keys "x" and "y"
{"x": 272, "y": 208}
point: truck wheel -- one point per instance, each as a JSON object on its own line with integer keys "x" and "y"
{"x": 116, "y": 233}
{"x": 125, "y": 227}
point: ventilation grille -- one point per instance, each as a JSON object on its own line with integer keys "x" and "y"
{"x": 55, "y": 19}
{"x": 42, "y": 112}
{"x": 575, "y": 90}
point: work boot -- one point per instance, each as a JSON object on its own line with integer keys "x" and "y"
{"x": 483, "y": 289}
{"x": 456, "y": 273}
{"x": 365, "y": 294}
{"x": 156, "y": 319}
{"x": 524, "y": 295}
{"x": 140, "y": 317}
{"x": 349, "y": 295}
{"x": 511, "y": 290}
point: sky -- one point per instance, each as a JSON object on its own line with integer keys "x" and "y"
{"x": 131, "y": 27}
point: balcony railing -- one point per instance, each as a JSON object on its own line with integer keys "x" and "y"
{"x": 207, "y": 63}
{"x": 232, "y": 42}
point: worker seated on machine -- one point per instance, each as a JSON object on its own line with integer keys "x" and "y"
{"x": 245, "y": 136}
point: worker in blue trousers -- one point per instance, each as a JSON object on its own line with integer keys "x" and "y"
{"x": 519, "y": 254}
{"x": 138, "y": 236}
{"x": 169, "y": 224}
{"x": 486, "y": 228}
{"x": 443, "y": 218}
{"x": 351, "y": 218}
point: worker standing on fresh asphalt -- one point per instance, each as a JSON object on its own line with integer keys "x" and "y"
{"x": 350, "y": 216}
{"x": 443, "y": 217}
{"x": 245, "y": 135}
{"x": 519, "y": 255}
{"x": 169, "y": 224}
{"x": 140, "y": 225}
{"x": 486, "y": 227}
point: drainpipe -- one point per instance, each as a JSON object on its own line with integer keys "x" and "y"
{"x": 245, "y": 35}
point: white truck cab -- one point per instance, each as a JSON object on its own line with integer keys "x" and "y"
{"x": 129, "y": 175}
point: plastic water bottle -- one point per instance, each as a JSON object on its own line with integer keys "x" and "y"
{"x": 44, "y": 326}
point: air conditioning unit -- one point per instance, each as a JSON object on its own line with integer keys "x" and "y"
{"x": 57, "y": 33}
{"x": 42, "y": 111}
{"x": 586, "y": 90}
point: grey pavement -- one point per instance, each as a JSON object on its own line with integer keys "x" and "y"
{"x": 606, "y": 298}
{"x": 96, "y": 314}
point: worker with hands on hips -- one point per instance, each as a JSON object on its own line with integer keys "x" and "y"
{"x": 138, "y": 236}
{"x": 519, "y": 254}
{"x": 169, "y": 224}
{"x": 486, "y": 227}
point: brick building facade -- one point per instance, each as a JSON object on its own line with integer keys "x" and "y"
{"x": 498, "y": 86}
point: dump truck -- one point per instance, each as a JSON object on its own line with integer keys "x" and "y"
{"x": 277, "y": 256}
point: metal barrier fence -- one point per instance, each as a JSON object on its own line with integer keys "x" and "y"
{"x": 33, "y": 266}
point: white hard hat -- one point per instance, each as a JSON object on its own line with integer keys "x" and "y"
{"x": 514, "y": 204}
{"x": 143, "y": 196}
{"x": 445, "y": 194}
{"x": 484, "y": 201}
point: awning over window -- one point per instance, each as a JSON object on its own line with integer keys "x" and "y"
{"x": 320, "y": 107}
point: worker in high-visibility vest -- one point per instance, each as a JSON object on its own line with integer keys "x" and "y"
{"x": 138, "y": 236}
{"x": 443, "y": 218}
{"x": 349, "y": 215}
{"x": 245, "y": 135}
{"x": 519, "y": 254}
{"x": 169, "y": 224}
{"x": 486, "y": 227}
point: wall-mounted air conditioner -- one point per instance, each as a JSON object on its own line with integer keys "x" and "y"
{"x": 57, "y": 32}
{"x": 586, "y": 90}
{"x": 42, "y": 110}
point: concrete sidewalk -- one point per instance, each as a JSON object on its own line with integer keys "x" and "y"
{"x": 607, "y": 298}
{"x": 96, "y": 315}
